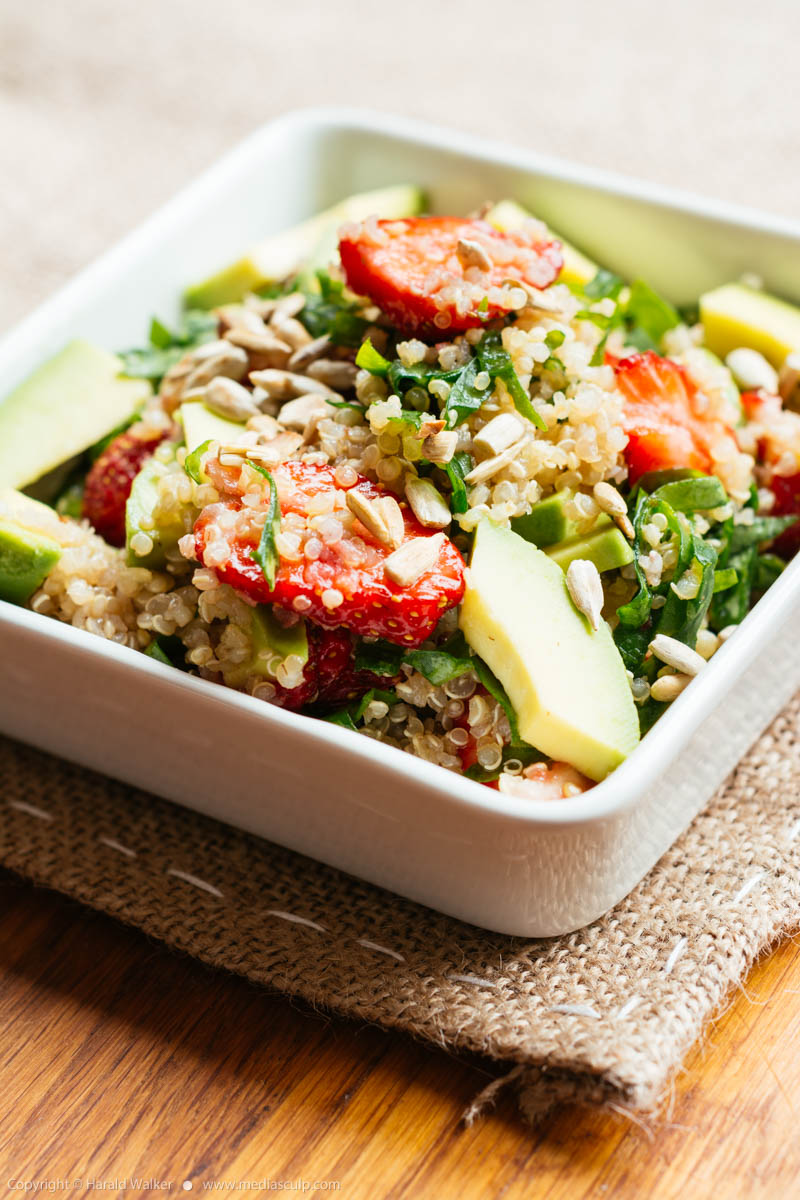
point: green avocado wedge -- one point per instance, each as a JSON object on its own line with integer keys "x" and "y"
{"x": 139, "y": 509}
{"x": 26, "y": 559}
{"x": 271, "y": 643}
{"x": 65, "y": 406}
{"x": 303, "y": 248}
{"x": 567, "y": 683}
{"x": 578, "y": 269}
{"x": 734, "y": 315}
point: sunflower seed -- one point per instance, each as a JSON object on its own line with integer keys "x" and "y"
{"x": 751, "y": 370}
{"x": 498, "y": 434}
{"x": 405, "y": 566}
{"x": 231, "y": 361}
{"x": 231, "y": 315}
{"x": 490, "y": 466}
{"x": 260, "y": 341}
{"x": 335, "y": 373}
{"x": 440, "y": 447}
{"x": 392, "y": 514}
{"x": 290, "y": 330}
{"x": 472, "y": 254}
{"x": 229, "y": 399}
{"x": 609, "y": 501}
{"x": 277, "y": 449}
{"x": 586, "y": 589}
{"x": 669, "y": 687}
{"x": 284, "y": 385}
{"x": 427, "y": 503}
{"x": 370, "y": 515}
{"x": 306, "y": 354}
{"x": 676, "y": 654}
{"x": 296, "y": 414}
{"x": 289, "y": 306}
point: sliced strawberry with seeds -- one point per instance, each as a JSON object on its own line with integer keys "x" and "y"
{"x": 429, "y": 274}
{"x": 332, "y": 567}
{"x": 109, "y": 482}
{"x": 666, "y": 420}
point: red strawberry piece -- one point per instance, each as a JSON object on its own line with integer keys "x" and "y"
{"x": 786, "y": 489}
{"x": 109, "y": 482}
{"x": 349, "y": 571}
{"x": 666, "y": 423}
{"x": 430, "y": 274}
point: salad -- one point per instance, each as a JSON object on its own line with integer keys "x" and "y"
{"x": 440, "y": 480}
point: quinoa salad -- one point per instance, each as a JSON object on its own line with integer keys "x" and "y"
{"x": 439, "y": 480}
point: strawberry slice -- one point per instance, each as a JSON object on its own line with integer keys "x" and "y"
{"x": 665, "y": 418}
{"x": 430, "y": 274}
{"x": 109, "y": 481}
{"x": 331, "y": 568}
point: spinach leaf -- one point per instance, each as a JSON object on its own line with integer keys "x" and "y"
{"x": 266, "y": 553}
{"x": 402, "y": 378}
{"x": 496, "y": 361}
{"x": 169, "y": 649}
{"x": 459, "y": 466}
{"x": 370, "y": 360}
{"x": 341, "y": 717}
{"x": 648, "y": 316}
{"x": 329, "y": 311}
{"x": 605, "y": 284}
{"x": 731, "y": 606}
{"x": 193, "y": 463}
{"x": 678, "y": 617}
{"x": 768, "y": 568}
{"x": 167, "y": 347}
{"x": 360, "y": 707}
{"x": 437, "y": 665}
{"x": 464, "y": 398}
{"x": 382, "y": 658}
{"x": 762, "y": 529}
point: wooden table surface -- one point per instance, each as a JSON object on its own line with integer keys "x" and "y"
{"x": 122, "y": 1063}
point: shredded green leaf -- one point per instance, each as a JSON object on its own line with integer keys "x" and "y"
{"x": 193, "y": 463}
{"x": 266, "y": 553}
{"x": 496, "y": 361}
{"x": 167, "y": 347}
{"x": 370, "y": 360}
{"x": 329, "y": 311}
{"x": 459, "y": 466}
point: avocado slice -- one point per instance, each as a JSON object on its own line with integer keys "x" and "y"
{"x": 200, "y": 425}
{"x": 547, "y": 523}
{"x": 606, "y": 547}
{"x": 26, "y": 559}
{"x": 308, "y": 245}
{"x": 272, "y": 643}
{"x": 139, "y": 510}
{"x": 735, "y": 315}
{"x": 578, "y": 270}
{"x": 66, "y": 405}
{"x": 568, "y": 684}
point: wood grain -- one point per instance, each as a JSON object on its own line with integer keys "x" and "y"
{"x": 121, "y": 1061}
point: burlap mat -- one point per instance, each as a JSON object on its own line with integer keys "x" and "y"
{"x": 604, "y": 1015}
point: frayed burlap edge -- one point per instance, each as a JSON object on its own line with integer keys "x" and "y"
{"x": 603, "y": 1016}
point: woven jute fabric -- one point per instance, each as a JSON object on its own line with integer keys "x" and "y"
{"x": 604, "y": 1015}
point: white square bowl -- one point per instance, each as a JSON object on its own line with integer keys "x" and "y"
{"x": 517, "y": 867}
